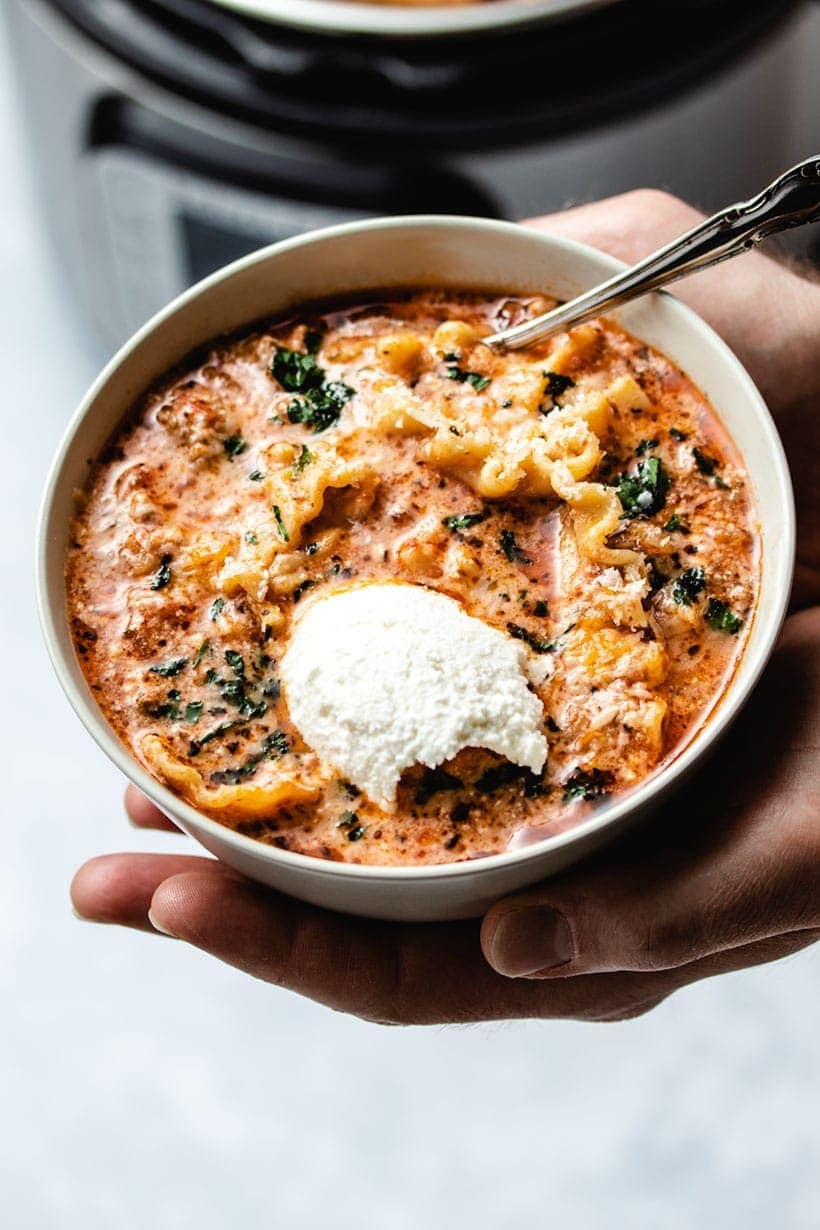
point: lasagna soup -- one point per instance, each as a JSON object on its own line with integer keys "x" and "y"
{"x": 358, "y": 586}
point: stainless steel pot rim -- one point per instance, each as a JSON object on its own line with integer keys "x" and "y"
{"x": 407, "y": 20}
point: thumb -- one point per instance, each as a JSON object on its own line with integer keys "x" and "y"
{"x": 736, "y": 860}
{"x": 640, "y": 919}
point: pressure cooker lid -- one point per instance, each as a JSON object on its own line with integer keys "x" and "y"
{"x": 484, "y": 89}
{"x": 410, "y": 18}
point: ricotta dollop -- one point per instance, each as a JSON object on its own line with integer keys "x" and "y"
{"x": 383, "y": 676}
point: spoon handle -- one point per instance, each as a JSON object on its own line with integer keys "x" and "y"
{"x": 792, "y": 200}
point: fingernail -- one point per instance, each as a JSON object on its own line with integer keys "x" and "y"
{"x": 158, "y": 926}
{"x": 531, "y": 941}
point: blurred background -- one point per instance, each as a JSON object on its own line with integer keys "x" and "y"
{"x": 142, "y": 144}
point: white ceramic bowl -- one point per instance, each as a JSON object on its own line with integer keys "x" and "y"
{"x": 419, "y": 251}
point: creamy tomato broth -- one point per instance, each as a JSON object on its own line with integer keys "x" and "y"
{"x": 580, "y": 497}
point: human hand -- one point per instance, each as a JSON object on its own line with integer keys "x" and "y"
{"x": 726, "y": 876}
{"x": 769, "y": 315}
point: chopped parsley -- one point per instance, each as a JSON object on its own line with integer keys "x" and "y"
{"x": 237, "y": 691}
{"x": 277, "y": 512}
{"x": 168, "y": 669}
{"x": 721, "y": 618}
{"x": 273, "y": 746}
{"x": 350, "y": 822}
{"x": 216, "y": 607}
{"x": 464, "y": 521}
{"x": 233, "y": 446}
{"x": 478, "y": 381}
{"x": 511, "y": 548}
{"x": 303, "y": 588}
{"x": 169, "y": 709}
{"x": 646, "y": 446}
{"x": 200, "y": 653}
{"x": 536, "y": 643}
{"x": 304, "y": 459}
{"x": 644, "y": 492}
{"x": 256, "y": 476}
{"x": 721, "y": 482}
{"x": 705, "y": 463}
{"x": 583, "y": 785}
{"x": 276, "y": 745}
{"x": 193, "y": 711}
{"x": 163, "y": 573}
{"x": 322, "y": 400}
{"x": 214, "y": 733}
{"x": 675, "y": 524}
{"x": 320, "y": 408}
{"x": 296, "y": 371}
{"x": 557, "y": 384}
{"x": 251, "y": 539}
{"x": 688, "y": 585}
{"x": 236, "y": 662}
{"x": 541, "y": 608}
{"x": 677, "y": 434}
{"x": 508, "y": 774}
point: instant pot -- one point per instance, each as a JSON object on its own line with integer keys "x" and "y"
{"x": 173, "y": 135}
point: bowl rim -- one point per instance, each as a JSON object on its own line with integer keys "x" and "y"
{"x": 51, "y": 605}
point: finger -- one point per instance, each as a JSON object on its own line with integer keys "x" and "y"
{"x": 419, "y": 974}
{"x": 734, "y": 860}
{"x": 117, "y": 888}
{"x": 380, "y": 971}
{"x": 144, "y": 814}
{"x": 401, "y": 975}
{"x": 383, "y": 972}
{"x": 629, "y": 226}
{"x": 764, "y": 310}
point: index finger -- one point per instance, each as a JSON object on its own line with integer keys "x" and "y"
{"x": 144, "y": 814}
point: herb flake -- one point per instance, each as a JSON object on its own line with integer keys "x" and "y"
{"x": 721, "y": 618}
{"x": 536, "y": 643}
{"x": 706, "y": 464}
{"x": 512, "y": 550}
{"x": 557, "y": 384}
{"x": 644, "y": 493}
{"x": 168, "y": 669}
{"x": 464, "y": 521}
{"x": 233, "y": 446}
{"x": 688, "y": 586}
{"x": 162, "y": 576}
{"x": 478, "y": 382}
{"x": 277, "y": 513}
{"x": 586, "y": 785}
{"x": 304, "y": 459}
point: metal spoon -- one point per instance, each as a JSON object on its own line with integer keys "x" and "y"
{"x": 792, "y": 200}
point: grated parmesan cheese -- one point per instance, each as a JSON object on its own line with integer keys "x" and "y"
{"x": 383, "y": 676}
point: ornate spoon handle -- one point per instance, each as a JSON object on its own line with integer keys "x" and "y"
{"x": 792, "y": 200}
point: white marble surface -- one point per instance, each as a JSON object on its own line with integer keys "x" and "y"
{"x": 145, "y": 1085}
